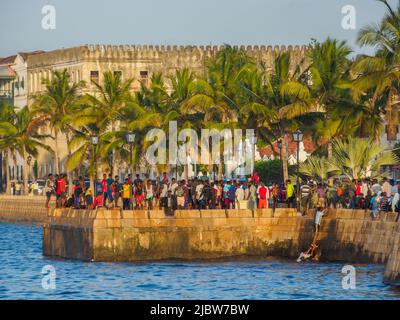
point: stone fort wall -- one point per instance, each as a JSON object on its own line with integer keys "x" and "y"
{"x": 131, "y": 60}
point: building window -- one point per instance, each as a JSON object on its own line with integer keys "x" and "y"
{"x": 118, "y": 73}
{"x": 22, "y": 83}
{"x": 94, "y": 76}
{"x": 144, "y": 78}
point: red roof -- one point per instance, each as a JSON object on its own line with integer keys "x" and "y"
{"x": 309, "y": 147}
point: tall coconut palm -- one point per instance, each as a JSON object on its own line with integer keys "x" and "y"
{"x": 110, "y": 99}
{"x": 7, "y": 118}
{"x": 182, "y": 82}
{"x": 56, "y": 106}
{"x": 157, "y": 105}
{"x": 330, "y": 81}
{"x": 88, "y": 123}
{"x": 277, "y": 102}
{"x": 213, "y": 98}
{"x": 381, "y": 71}
{"x": 20, "y": 135}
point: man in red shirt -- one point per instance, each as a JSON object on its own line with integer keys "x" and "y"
{"x": 98, "y": 201}
{"x": 62, "y": 189}
{"x": 104, "y": 188}
{"x": 256, "y": 178}
{"x": 262, "y": 194}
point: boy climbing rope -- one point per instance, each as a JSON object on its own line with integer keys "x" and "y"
{"x": 312, "y": 250}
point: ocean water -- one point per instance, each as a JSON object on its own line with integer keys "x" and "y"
{"x": 22, "y": 262}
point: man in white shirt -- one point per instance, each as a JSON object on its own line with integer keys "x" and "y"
{"x": 172, "y": 188}
{"x": 386, "y": 187}
{"x": 364, "y": 188}
{"x": 199, "y": 194}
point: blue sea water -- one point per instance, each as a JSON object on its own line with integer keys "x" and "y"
{"x": 21, "y": 263}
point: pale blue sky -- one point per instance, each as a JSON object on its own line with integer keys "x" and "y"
{"x": 180, "y": 22}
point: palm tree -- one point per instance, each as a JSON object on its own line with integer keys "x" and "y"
{"x": 381, "y": 71}
{"x": 278, "y": 102}
{"x": 358, "y": 158}
{"x": 330, "y": 81}
{"x": 318, "y": 168}
{"x": 7, "y": 117}
{"x": 111, "y": 98}
{"x": 214, "y": 99}
{"x": 56, "y": 106}
{"x": 20, "y": 135}
{"x": 182, "y": 83}
{"x": 88, "y": 123}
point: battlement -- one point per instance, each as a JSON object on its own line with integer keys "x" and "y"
{"x": 150, "y": 51}
{"x": 154, "y": 52}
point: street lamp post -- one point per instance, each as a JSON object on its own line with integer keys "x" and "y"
{"x": 130, "y": 138}
{"x": 298, "y": 137}
{"x": 94, "y": 140}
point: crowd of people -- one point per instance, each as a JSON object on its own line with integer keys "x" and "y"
{"x": 163, "y": 192}
{"x": 363, "y": 194}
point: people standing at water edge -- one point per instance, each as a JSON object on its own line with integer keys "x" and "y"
{"x": 49, "y": 189}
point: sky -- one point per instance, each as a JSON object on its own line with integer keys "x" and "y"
{"x": 179, "y": 22}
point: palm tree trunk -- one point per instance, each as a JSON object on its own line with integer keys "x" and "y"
{"x": 285, "y": 157}
{"x": 69, "y": 173}
{"x": 113, "y": 161}
{"x": 186, "y": 171}
{"x": 330, "y": 151}
{"x": 25, "y": 175}
{"x": 392, "y": 116}
{"x": 57, "y": 166}
{"x": 220, "y": 168}
{"x": 7, "y": 169}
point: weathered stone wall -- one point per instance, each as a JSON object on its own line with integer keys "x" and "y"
{"x": 114, "y": 235}
{"x": 23, "y": 209}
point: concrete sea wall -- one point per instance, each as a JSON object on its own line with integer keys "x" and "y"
{"x": 23, "y": 209}
{"x": 115, "y": 235}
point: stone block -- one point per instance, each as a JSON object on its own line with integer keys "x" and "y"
{"x": 184, "y": 214}
{"x": 137, "y": 214}
{"x": 263, "y": 213}
{"x": 239, "y": 213}
{"x": 217, "y": 213}
{"x": 113, "y": 223}
{"x": 157, "y": 214}
{"x": 100, "y": 223}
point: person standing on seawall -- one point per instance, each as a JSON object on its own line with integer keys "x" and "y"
{"x": 263, "y": 196}
{"x": 104, "y": 189}
{"x": 49, "y": 189}
{"x": 290, "y": 194}
{"x": 110, "y": 182}
{"x": 126, "y": 195}
{"x": 386, "y": 187}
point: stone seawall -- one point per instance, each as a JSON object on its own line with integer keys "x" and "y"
{"x": 23, "y": 209}
{"x": 114, "y": 235}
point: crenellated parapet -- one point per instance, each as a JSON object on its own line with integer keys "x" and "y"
{"x": 153, "y": 52}
{"x": 184, "y": 55}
